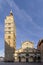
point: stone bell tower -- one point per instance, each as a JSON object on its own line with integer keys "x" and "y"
{"x": 10, "y": 37}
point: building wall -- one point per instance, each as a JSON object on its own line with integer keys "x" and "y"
{"x": 41, "y": 52}
{"x": 40, "y": 47}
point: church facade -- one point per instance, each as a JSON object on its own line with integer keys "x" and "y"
{"x": 27, "y": 53}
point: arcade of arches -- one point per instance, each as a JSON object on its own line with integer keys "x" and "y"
{"x": 27, "y": 53}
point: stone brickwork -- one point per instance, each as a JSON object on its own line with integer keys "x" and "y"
{"x": 40, "y": 48}
{"x": 10, "y": 37}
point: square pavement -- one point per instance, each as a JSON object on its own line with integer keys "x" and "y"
{"x": 19, "y": 63}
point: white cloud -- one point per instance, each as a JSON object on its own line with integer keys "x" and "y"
{"x": 23, "y": 16}
{"x": 2, "y": 53}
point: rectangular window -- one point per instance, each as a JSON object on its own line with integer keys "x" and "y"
{"x": 9, "y": 27}
{"x": 9, "y": 37}
{"x": 9, "y": 23}
{"x": 9, "y": 31}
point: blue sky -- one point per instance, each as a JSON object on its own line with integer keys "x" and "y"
{"x": 28, "y": 15}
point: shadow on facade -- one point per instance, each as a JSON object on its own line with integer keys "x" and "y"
{"x": 28, "y": 58}
{"x": 9, "y": 53}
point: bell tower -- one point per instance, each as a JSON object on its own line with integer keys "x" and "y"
{"x": 10, "y": 37}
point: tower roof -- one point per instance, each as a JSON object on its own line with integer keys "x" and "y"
{"x": 11, "y": 12}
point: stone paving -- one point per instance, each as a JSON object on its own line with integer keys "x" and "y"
{"x": 21, "y": 63}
